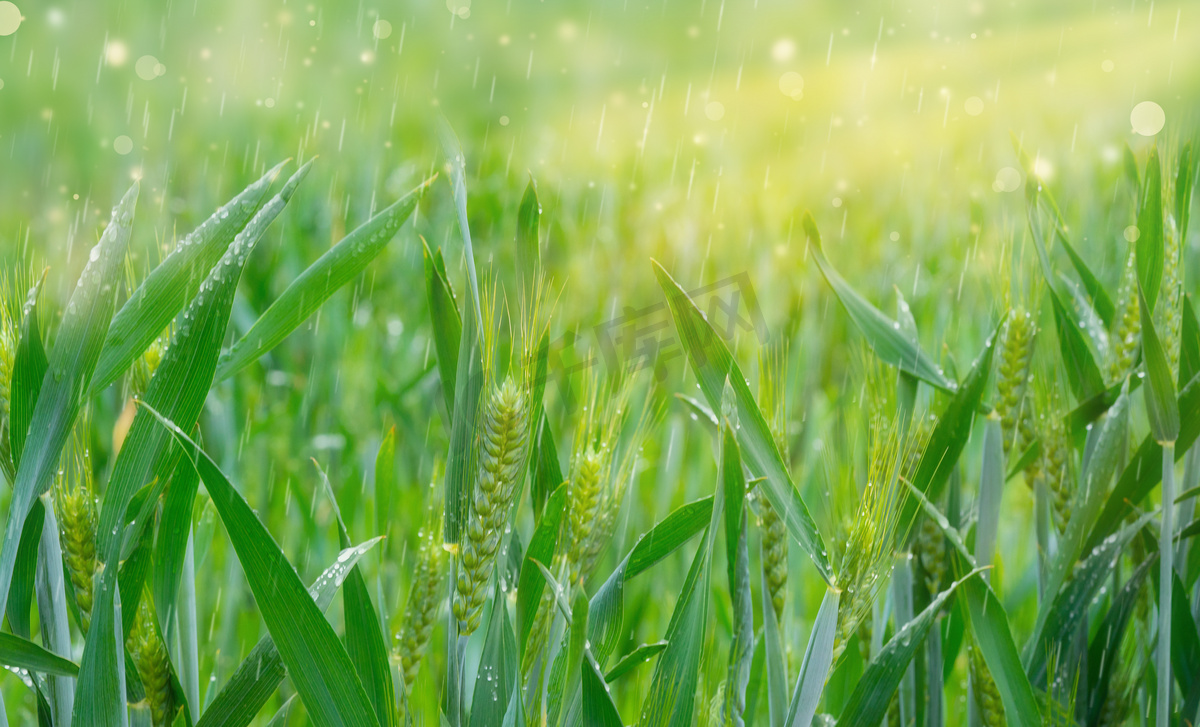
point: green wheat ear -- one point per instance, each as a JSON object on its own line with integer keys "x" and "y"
{"x": 153, "y": 666}
{"x": 505, "y": 438}
{"x": 772, "y": 400}
{"x": 987, "y": 695}
{"x": 75, "y": 509}
{"x": 869, "y": 548}
{"x": 144, "y": 367}
{"x": 603, "y": 455}
{"x": 1012, "y": 379}
{"x": 424, "y": 595}
{"x": 1127, "y": 331}
{"x": 1168, "y": 313}
{"x": 502, "y": 454}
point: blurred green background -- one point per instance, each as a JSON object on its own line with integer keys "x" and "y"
{"x": 692, "y": 132}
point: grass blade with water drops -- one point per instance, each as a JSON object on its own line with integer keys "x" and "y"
{"x": 542, "y": 546}
{"x": 341, "y": 264}
{"x": 883, "y": 334}
{"x": 634, "y": 659}
{"x": 868, "y": 704}
{"x": 1162, "y": 408}
{"x": 262, "y": 670}
{"x": 445, "y": 320}
{"x": 24, "y": 654}
{"x": 179, "y": 388}
{"x": 71, "y": 365}
{"x": 598, "y": 707}
{"x": 670, "y": 701}
{"x": 317, "y": 662}
{"x": 29, "y": 371}
{"x": 950, "y": 436}
{"x": 365, "y": 642}
{"x": 174, "y": 281}
{"x": 1150, "y": 247}
{"x": 20, "y": 594}
{"x": 607, "y": 610}
{"x": 1145, "y": 468}
{"x": 713, "y": 365}
{"x": 499, "y": 673}
{"x": 814, "y": 670}
{"x": 1100, "y": 300}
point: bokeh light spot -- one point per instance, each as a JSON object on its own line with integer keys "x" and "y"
{"x": 148, "y": 68}
{"x": 1008, "y": 179}
{"x": 10, "y": 18}
{"x": 122, "y": 145}
{"x": 792, "y": 85}
{"x": 1147, "y": 118}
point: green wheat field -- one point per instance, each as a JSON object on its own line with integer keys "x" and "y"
{"x": 567, "y": 363}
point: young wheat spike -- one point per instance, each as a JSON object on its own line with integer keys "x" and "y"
{"x": 1055, "y": 467}
{"x": 987, "y": 696}
{"x": 502, "y": 459}
{"x": 424, "y": 596}
{"x": 75, "y": 509}
{"x": 503, "y": 451}
{"x": 1128, "y": 332}
{"x": 150, "y": 658}
{"x": 144, "y": 367}
{"x": 1168, "y": 313}
{"x": 869, "y": 547}
{"x": 772, "y": 398}
{"x": 601, "y": 466}
{"x": 1016, "y": 357}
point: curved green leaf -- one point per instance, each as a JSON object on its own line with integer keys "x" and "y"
{"x": 341, "y": 264}
{"x": 883, "y": 334}
{"x": 634, "y": 659}
{"x": 175, "y": 281}
{"x": 950, "y": 435}
{"x": 713, "y": 365}
{"x": 71, "y": 365}
{"x": 445, "y": 320}
{"x": 22, "y": 653}
{"x": 29, "y": 371}
{"x": 542, "y": 545}
{"x": 1150, "y": 253}
{"x": 818, "y": 657}
{"x": 1161, "y": 405}
{"x": 259, "y": 674}
{"x": 869, "y": 702}
{"x": 317, "y": 662}
{"x": 499, "y": 673}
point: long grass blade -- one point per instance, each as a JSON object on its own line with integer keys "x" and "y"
{"x": 260, "y": 673}
{"x": 869, "y": 702}
{"x": 818, "y": 657}
{"x": 713, "y": 365}
{"x": 52, "y": 615}
{"x": 341, "y": 264}
{"x": 29, "y": 371}
{"x": 71, "y": 365}
{"x": 175, "y": 281}
{"x": 318, "y": 664}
